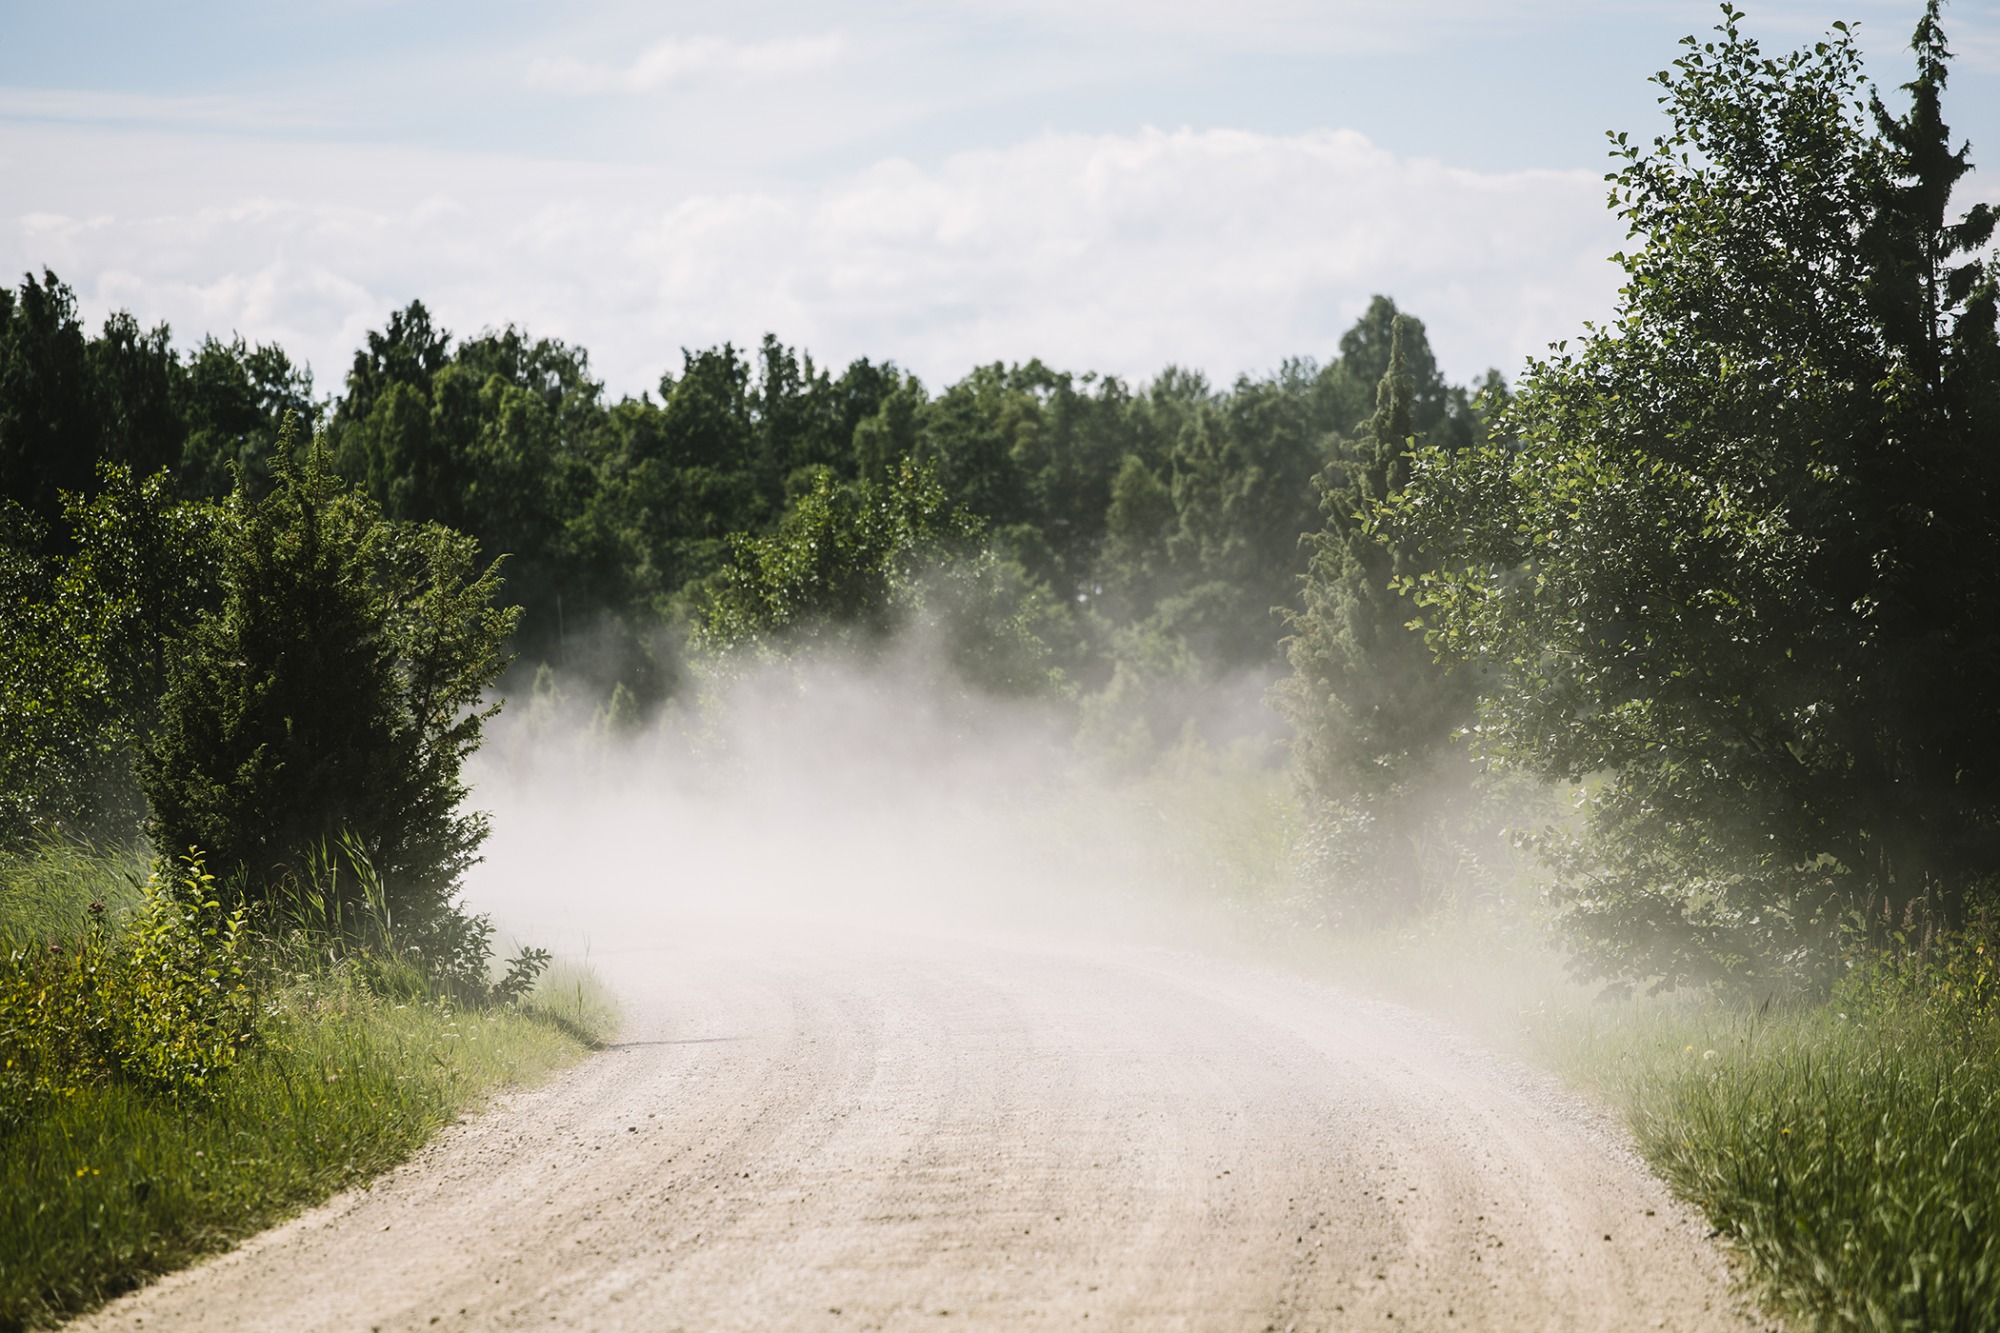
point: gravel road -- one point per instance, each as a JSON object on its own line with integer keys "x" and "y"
{"x": 819, "y": 1129}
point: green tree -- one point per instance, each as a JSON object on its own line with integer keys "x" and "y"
{"x": 87, "y": 634}
{"x": 835, "y": 566}
{"x": 1742, "y": 569}
{"x": 135, "y": 376}
{"x": 1373, "y": 712}
{"x": 334, "y": 693}
{"x": 49, "y": 431}
{"x": 233, "y": 399}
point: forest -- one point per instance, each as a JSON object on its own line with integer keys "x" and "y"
{"x": 1695, "y": 617}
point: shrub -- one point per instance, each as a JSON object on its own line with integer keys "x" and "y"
{"x": 337, "y": 690}
{"x": 162, "y": 1002}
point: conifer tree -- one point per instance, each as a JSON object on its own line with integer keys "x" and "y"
{"x": 333, "y": 696}
{"x": 1374, "y": 712}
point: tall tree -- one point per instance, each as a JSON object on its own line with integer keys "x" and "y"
{"x": 1759, "y": 518}
{"x": 49, "y": 416}
{"x": 1373, "y": 712}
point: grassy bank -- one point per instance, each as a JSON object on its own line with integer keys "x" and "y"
{"x": 110, "y": 1177}
{"x": 1852, "y": 1154}
{"x": 1849, "y": 1148}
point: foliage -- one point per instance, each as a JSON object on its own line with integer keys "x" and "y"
{"x": 1375, "y": 716}
{"x": 159, "y": 1002}
{"x": 234, "y": 399}
{"x": 47, "y": 403}
{"x": 87, "y": 634}
{"x": 1176, "y": 505}
{"x": 1951, "y": 983}
{"x": 337, "y": 689}
{"x": 337, "y": 912}
{"x": 171, "y": 1078}
{"x": 837, "y": 562}
{"x": 111, "y": 1186}
{"x": 1741, "y": 562}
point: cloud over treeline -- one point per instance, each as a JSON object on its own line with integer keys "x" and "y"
{"x": 1222, "y": 250}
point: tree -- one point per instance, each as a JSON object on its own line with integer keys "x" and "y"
{"x": 1373, "y": 712}
{"x": 135, "y": 375}
{"x": 834, "y": 567}
{"x": 1742, "y": 570}
{"x": 48, "y": 412}
{"x": 86, "y": 635}
{"x": 334, "y": 694}
{"x": 233, "y": 399}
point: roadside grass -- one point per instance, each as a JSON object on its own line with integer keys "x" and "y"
{"x": 1854, "y": 1158}
{"x": 1848, "y": 1149}
{"x": 110, "y": 1182}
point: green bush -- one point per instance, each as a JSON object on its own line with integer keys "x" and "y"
{"x": 161, "y": 1002}
{"x": 336, "y": 691}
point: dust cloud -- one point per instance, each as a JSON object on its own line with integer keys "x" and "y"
{"x": 882, "y": 793}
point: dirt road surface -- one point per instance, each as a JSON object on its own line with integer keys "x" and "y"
{"x": 840, "y": 1131}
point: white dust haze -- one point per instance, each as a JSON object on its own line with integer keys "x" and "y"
{"x": 880, "y": 794}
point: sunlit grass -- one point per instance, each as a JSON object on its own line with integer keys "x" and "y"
{"x": 110, "y": 1186}
{"x": 1855, "y": 1160}
{"x": 1848, "y": 1149}
{"x": 46, "y": 890}
{"x": 107, "y": 1182}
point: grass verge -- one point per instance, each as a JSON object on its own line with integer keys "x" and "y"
{"x": 109, "y": 1182}
{"x": 1848, "y": 1149}
{"x": 1853, "y": 1157}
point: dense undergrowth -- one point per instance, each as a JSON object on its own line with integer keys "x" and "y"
{"x": 175, "y": 1079}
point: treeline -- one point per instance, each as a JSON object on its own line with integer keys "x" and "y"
{"x": 257, "y": 623}
{"x": 1727, "y": 566}
{"x": 1174, "y": 509}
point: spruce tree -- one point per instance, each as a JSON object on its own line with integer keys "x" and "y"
{"x": 333, "y": 696}
{"x": 1374, "y": 713}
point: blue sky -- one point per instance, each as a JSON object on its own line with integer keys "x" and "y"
{"x": 1106, "y": 183}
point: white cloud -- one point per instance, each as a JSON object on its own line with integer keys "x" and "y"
{"x": 1221, "y": 250}
{"x": 678, "y": 59}
{"x": 1282, "y": 24}
{"x": 85, "y": 106}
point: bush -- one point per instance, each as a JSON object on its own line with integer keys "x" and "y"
{"x": 336, "y": 691}
{"x": 161, "y": 1002}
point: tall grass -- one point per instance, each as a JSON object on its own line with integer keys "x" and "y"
{"x": 46, "y": 891}
{"x": 107, "y": 1180}
{"x": 1849, "y": 1148}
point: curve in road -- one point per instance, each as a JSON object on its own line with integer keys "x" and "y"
{"x": 817, "y": 1129}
